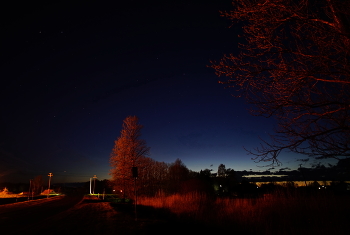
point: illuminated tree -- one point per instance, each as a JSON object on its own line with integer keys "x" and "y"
{"x": 129, "y": 151}
{"x": 294, "y": 64}
{"x": 152, "y": 177}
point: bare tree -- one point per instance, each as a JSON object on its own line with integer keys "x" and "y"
{"x": 177, "y": 174}
{"x": 152, "y": 176}
{"x": 37, "y": 185}
{"x": 221, "y": 170}
{"x": 294, "y": 64}
{"x": 159, "y": 174}
{"x": 129, "y": 151}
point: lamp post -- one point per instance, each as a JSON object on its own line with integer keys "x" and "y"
{"x": 48, "y": 191}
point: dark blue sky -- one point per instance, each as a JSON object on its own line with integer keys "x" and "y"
{"x": 71, "y": 72}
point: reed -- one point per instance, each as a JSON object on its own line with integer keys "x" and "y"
{"x": 277, "y": 213}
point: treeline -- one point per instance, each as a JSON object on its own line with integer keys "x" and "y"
{"x": 35, "y": 186}
{"x": 134, "y": 173}
{"x": 170, "y": 178}
{"x": 160, "y": 178}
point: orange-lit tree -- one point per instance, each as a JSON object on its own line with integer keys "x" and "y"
{"x": 294, "y": 64}
{"x": 129, "y": 151}
{"x": 153, "y": 177}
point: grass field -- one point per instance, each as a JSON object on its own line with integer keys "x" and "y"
{"x": 278, "y": 213}
{"x": 197, "y": 213}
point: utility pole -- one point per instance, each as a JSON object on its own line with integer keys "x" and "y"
{"x": 30, "y": 188}
{"x": 302, "y": 174}
{"x": 90, "y": 186}
{"x": 48, "y": 191}
{"x": 134, "y": 171}
{"x": 93, "y": 191}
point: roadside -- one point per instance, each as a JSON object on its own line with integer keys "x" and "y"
{"x": 19, "y": 217}
{"x": 93, "y": 216}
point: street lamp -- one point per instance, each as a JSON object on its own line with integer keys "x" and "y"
{"x": 48, "y": 191}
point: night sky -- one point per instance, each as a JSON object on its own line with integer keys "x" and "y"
{"x": 72, "y": 72}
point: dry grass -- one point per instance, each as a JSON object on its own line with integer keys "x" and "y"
{"x": 277, "y": 213}
{"x": 10, "y": 195}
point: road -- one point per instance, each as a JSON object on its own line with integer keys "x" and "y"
{"x": 58, "y": 215}
{"x": 78, "y": 214}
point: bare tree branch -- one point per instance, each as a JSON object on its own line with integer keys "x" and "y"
{"x": 294, "y": 65}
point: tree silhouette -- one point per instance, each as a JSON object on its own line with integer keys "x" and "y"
{"x": 177, "y": 174}
{"x": 221, "y": 170}
{"x": 152, "y": 176}
{"x": 294, "y": 64}
{"x": 129, "y": 151}
{"x": 205, "y": 174}
{"x": 37, "y": 185}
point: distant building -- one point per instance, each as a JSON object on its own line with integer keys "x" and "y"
{"x": 45, "y": 192}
